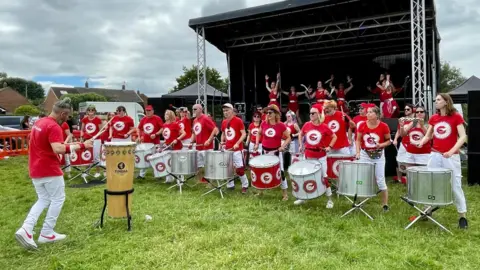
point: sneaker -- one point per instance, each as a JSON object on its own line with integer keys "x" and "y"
{"x": 298, "y": 202}
{"x": 463, "y": 223}
{"x": 329, "y": 204}
{"x": 25, "y": 239}
{"x": 140, "y": 177}
{"x": 54, "y": 237}
{"x": 386, "y": 208}
{"x": 244, "y": 190}
{"x": 203, "y": 180}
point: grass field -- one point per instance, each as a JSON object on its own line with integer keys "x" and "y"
{"x": 239, "y": 232}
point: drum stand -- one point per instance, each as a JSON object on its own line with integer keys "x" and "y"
{"x": 180, "y": 181}
{"x": 218, "y": 186}
{"x": 117, "y": 193}
{"x": 356, "y": 206}
{"x": 424, "y": 214}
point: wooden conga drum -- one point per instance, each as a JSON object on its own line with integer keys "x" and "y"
{"x": 120, "y": 161}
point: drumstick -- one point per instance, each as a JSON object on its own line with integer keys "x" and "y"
{"x": 103, "y": 129}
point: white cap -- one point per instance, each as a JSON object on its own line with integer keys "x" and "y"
{"x": 227, "y": 105}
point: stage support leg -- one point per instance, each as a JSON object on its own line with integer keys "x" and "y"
{"x": 201, "y": 68}
{"x": 419, "y": 61}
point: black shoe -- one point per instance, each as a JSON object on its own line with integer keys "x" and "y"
{"x": 140, "y": 177}
{"x": 463, "y": 223}
{"x": 386, "y": 208}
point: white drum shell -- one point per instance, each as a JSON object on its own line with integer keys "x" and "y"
{"x": 430, "y": 186}
{"x": 160, "y": 163}
{"x": 357, "y": 178}
{"x": 184, "y": 162}
{"x": 142, "y": 152}
{"x": 219, "y": 165}
{"x": 307, "y": 180}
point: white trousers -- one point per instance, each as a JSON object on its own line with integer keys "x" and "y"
{"x": 186, "y": 143}
{"x": 293, "y": 148}
{"x": 437, "y": 160}
{"x": 420, "y": 159}
{"x": 97, "y": 145}
{"x": 238, "y": 163}
{"x": 341, "y": 151}
{"x": 402, "y": 153}
{"x": 379, "y": 168}
{"x": 51, "y": 194}
{"x": 67, "y": 162}
{"x": 144, "y": 171}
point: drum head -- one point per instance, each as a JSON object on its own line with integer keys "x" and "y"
{"x": 264, "y": 161}
{"x": 427, "y": 169}
{"x": 120, "y": 143}
{"x": 339, "y": 156}
{"x": 304, "y": 167}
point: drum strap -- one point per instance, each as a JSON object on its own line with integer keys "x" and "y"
{"x": 315, "y": 149}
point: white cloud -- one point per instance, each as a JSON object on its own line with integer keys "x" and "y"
{"x": 47, "y": 84}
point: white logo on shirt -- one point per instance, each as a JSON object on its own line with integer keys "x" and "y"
{"x": 90, "y": 128}
{"x": 119, "y": 126}
{"x": 415, "y": 136}
{"x": 313, "y": 137}
{"x": 371, "y": 140}
{"x": 270, "y": 132}
{"x": 148, "y": 128}
{"x": 254, "y": 131}
{"x": 230, "y": 134}
{"x": 182, "y": 126}
{"x": 442, "y": 130}
{"x": 166, "y": 133}
{"x": 197, "y": 128}
{"x": 334, "y": 126}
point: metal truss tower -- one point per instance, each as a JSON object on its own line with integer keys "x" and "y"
{"x": 201, "y": 68}
{"x": 419, "y": 53}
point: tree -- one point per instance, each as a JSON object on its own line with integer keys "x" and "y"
{"x": 189, "y": 77}
{"x": 450, "y": 77}
{"x": 79, "y": 98}
{"x": 34, "y": 90}
{"x": 27, "y": 110}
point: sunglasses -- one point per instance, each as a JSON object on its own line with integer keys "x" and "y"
{"x": 420, "y": 111}
{"x": 408, "y": 109}
{"x": 256, "y": 116}
{"x": 194, "y": 109}
{"x": 312, "y": 113}
{"x": 270, "y": 112}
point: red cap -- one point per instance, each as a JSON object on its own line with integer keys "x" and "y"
{"x": 149, "y": 108}
{"x": 367, "y": 105}
{"x": 319, "y": 107}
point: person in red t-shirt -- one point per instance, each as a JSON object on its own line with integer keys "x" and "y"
{"x": 372, "y": 138}
{"x": 336, "y": 121}
{"x": 272, "y": 131}
{"x": 90, "y": 126}
{"x": 233, "y": 134}
{"x": 122, "y": 126}
{"x": 446, "y": 128}
{"x": 204, "y": 131}
{"x": 173, "y": 135}
{"x": 319, "y": 139}
{"x": 46, "y": 143}
{"x": 402, "y": 149}
{"x": 253, "y": 129}
{"x": 415, "y": 131}
{"x": 186, "y": 124}
{"x": 357, "y": 120}
{"x": 149, "y": 130}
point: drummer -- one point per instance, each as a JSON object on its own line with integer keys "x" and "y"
{"x": 253, "y": 133}
{"x": 173, "y": 135}
{"x": 204, "y": 132}
{"x": 233, "y": 134}
{"x": 89, "y": 128}
{"x": 415, "y": 131}
{"x": 357, "y": 120}
{"x": 122, "y": 126}
{"x": 186, "y": 124}
{"x": 446, "y": 128}
{"x": 149, "y": 131}
{"x": 272, "y": 131}
{"x": 335, "y": 120}
{"x": 372, "y": 138}
{"x": 402, "y": 152}
{"x": 319, "y": 140}
{"x": 294, "y": 129}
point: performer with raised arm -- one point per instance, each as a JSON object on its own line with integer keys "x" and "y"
{"x": 149, "y": 130}
{"x": 253, "y": 129}
{"x": 309, "y": 93}
{"x": 272, "y": 131}
{"x": 341, "y": 93}
{"x": 293, "y": 101}
{"x": 319, "y": 140}
{"x": 273, "y": 90}
{"x": 386, "y": 89}
{"x": 233, "y": 134}
{"x": 204, "y": 132}
{"x": 402, "y": 149}
{"x": 372, "y": 138}
{"x": 448, "y": 133}
{"x": 294, "y": 129}
{"x": 336, "y": 121}
{"x": 321, "y": 94}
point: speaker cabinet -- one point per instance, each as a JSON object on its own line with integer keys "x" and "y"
{"x": 473, "y": 172}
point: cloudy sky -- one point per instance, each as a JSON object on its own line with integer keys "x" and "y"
{"x": 146, "y": 42}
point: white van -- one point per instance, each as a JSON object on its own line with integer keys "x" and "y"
{"x": 134, "y": 109}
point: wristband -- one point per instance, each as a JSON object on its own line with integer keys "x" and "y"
{"x": 67, "y": 149}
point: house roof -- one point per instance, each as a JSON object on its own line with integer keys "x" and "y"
{"x": 114, "y": 95}
{"x": 11, "y": 99}
{"x": 192, "y": 91}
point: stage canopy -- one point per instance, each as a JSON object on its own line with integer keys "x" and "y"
{"x": 460, "y": 94}
{"x": 192, "y": 92}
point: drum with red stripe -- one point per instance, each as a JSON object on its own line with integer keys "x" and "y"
{"x": 81, "y": 157}
{"x": 161, "y": 163}
{"x": 296, "y": 158}
{"x": 307, "y": 180}
{"x": 265, "y": 172}
{"x": 333, "y": 164}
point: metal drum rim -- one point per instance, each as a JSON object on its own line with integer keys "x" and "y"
{"x": 120, "y": 143}
{"x": 267, "y": 188}
{"x": 429, "y": 203}
{"x": 303, "y": 175}
{"x": 259, "y": 166}
{"x": 415, "y": 169}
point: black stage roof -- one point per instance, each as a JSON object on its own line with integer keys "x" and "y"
{"x": 317, "y": 28}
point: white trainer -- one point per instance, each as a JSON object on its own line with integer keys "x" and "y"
{"x": 25, "y": 239}
{"x": 96, "y": 175}
{"x": 54, "y": 237}
{"x": 329, "y": 204}
{"x": 298, "y": 202}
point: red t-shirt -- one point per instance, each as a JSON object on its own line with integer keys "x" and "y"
{"x": 317, "y": 137}
{"x": 264, "y": 117}
{"x": 336, "y": 123}
{"x": 358, "y": 120}
{"x": 171, "y": 131}
{"x": 405, "y": 139}
{"x": 42, "y": 161}
{"x": 272, "y": 135}
{"x": 121, "y": 126}
{"x": 148, "y": 126}
{"x": 415, "y": 135}
{"x": 90, "y": 126}
{"x": 232, "y": 129}
{"x": 186, "y": 124}
{"x": 254, "y": 132}
{"x": 105, "y": 135}
{"x": 445, "y": 133}
{"x": 64, "y": 128}
{"x": 370, "y": 137}
{"x": 203, "y": 127}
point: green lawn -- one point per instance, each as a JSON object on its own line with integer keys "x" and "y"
{"x": 239, "y": 232}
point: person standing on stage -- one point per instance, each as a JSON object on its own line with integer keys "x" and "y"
{"x": 319, "y": 140}
{"x": 372, "y": 138}
{"x": 402, "y": 150}
{"x": 293, "y": 102}
{"x": 204, "y": 132}
{"x": 46, "y": 143}
{"x": 273, "y": 90}
{"x": 335, "y": 120}
{"x": 272, "y": 131}
{"x": 90, "y": 126}
{"x": 122, "y": 126}
{"x": 416, "y": 131}
{"x": 233, "y": 134}
{"x": 186, "y": 124}
{"x": 448, "y": 133}
{"x": 149, "y": 131}
{"x": 321, "y": 94}
{"x": 253, "y": 129}
{"x": 341, "y": 93}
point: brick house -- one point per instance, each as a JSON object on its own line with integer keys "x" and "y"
{"x": 114, "y": 95}
{"x": 11, "y": 99}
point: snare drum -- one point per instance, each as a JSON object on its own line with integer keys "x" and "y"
{"x": 184, "y": 162}
{"x": 81, "y": 157}
{"x": 333, "y": 164}
{"x": 142, "y": 152}
{"x": 306, "y": 177}
{"x": 357, "y": 178}
{"x": 219, "y": 165}
{"x": 430, "y": 186}
{"x": 265, "y": 172}
{"x": 161, "y": 163}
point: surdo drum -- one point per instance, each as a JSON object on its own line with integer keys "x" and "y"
{"x": 333, "y": 164}
{"x": 430, "y": 186}
{"x": 265, "y": 172}
{"x": 161, "y": 163}
{"x": 81, "y": 157}
{"x": 142, "y": 153}
{"x": 184, "y": 162}
{"x": 219, "y": 165}
{"x": 357, "y": 179}
{"x": 306, "y": 177}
